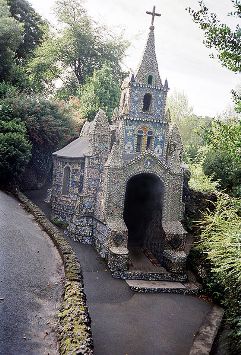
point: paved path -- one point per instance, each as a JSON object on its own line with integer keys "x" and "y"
{"x": 31, "y": 275}
{"x": 124, "y": 322}
{"x": 128, "y": 323}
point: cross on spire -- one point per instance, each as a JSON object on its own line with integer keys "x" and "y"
{"x": 153, "y": 14}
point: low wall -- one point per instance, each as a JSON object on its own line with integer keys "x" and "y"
{"x": 74, "y": 323}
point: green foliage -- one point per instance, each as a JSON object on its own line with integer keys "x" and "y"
{"x": 48, "y": 122}
{"x": 7, "y": 90}
{"x": 10, "y": 39}
{"x": 199, "y": 181}
{"x": 21, "y": 31}
{"x": 225, "y": 40}
{"x": 80, "y": 48}
{"x": 59, "y": 223}
{"x": 220, "y": 244}
{"x": 219, "y": 36}
{"x": 44, "y": 67}
{"x": 15, "y": 150}
{"x": 48, "y": 127}
{"x": 223, "y": 159}
{"x": 101, "y": 91}
{"x": 179, "y": 107}
{"x": 32, "y": 24}
{"x": 237, "y": 99}
{"x": 191, "y": 127}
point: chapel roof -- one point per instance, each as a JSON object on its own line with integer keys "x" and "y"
{"x": 79, "y": 148}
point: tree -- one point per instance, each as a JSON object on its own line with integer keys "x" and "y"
{"x": 224, "y": 39}
{"x": 80, "y": 47}
{"x": 179, "y": 106}
{"x": 101, "y": 91}
{"x": 191, "y": 127}
{"x": 33, "y": 27}
{"x": 10, "y": 39}
{"x": 223, "y": 158}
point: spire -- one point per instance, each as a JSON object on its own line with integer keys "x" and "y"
{"x": 148, "y": 72}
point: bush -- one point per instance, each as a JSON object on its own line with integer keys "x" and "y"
{"x": 223, "y": 159}
{"x": 48, "y": 122}
{"x": 199, "y": 181}
{"x": 15, "y": 150}
{"x": 48, "y": 126}
{"x": 221, "y": 166}
{"x": 220, "y": 247}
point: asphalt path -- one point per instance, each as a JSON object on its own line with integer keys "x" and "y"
{"x": 31, "y": 283}
{"x": 129, "y": 323}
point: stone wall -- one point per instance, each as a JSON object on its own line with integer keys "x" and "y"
{"x": 63, "y": 205}
{"x": 74, "y": 323}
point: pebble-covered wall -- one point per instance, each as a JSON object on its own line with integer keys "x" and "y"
{"x": 140, "y": 140}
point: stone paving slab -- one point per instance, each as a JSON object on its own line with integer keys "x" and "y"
{"x": 162, "y": 287}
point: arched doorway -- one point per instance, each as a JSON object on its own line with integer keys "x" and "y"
{"x": 143, "y": 207}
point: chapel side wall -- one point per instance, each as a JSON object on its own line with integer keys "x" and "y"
{"x": 173, "y": 207}
{"x": 114, "y": 194}
{"x": 63, "y": 206}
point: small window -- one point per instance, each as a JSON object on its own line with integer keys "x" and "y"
{"x": 139, "y": 140}
{"x": 146, "y": 102}
{"x": 150, "y": 79}
{"x": 82, "y": 164}
{"x": 149, "y": 140}
{"x": 66, "y": 181}
{"x": 81, "y": 183}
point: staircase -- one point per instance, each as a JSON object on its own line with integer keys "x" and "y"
{"x": 145, "y": 274}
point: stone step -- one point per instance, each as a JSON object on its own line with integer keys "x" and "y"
{"x": 163, "y": 287}
{"x": 148, "y": 276}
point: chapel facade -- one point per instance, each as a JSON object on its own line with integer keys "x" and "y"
{"x": 119, "y": 186}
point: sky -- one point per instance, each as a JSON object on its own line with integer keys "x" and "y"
{"x": 182, "y": 57}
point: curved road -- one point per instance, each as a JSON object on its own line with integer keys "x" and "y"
{"x": 129, "y": 323}
{"x": 31, "y": 274}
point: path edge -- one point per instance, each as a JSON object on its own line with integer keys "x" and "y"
{"x": 204, "y": 338}
{"x": 74, "y": 322}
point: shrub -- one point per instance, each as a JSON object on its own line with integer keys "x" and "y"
{"x": 220, "y": 245}
{"x": 223, "y": 159}
{"x": 199, "y": 181}
{"x": 15, "y": 150}
{"x": 221, "y": 166}
{"x": 48, "y": 127}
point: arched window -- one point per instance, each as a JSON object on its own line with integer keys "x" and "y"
{"x": 81, "y": 183}
{"x": 150, "y": 79}
{"x": 146, "y": 102}
{"x": 66, "y": 181}
{"x": 149, "y": 140}
{"x": 139, "y": 140}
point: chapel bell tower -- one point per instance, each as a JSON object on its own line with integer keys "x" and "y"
{"x": 142, "y": 104}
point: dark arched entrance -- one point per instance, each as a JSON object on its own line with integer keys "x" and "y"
{"x": 143, "y": 206}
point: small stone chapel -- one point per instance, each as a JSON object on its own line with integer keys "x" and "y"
{"x": 120, "y": 185}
